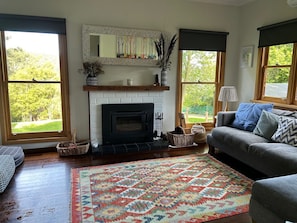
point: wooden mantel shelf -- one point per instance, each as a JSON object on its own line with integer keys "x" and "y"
{"x": 125, "y": 88}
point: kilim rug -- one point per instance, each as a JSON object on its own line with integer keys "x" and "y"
{"x": 192, "y": 188}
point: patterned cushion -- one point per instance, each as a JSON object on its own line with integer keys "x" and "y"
{"x": 286, "y": 131}
{"x": 7, "y": 168}
{"x": 281, "y": 112}
{"x": 15, "y": 151}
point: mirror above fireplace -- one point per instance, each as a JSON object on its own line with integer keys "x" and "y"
{"x": 119, "y": 46}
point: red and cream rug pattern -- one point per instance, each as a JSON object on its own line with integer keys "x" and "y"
{"x": 192, "y": 188}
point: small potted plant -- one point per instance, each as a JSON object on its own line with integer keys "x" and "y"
{"x": 92, "y": 70}
{"x": 164, "y": 55}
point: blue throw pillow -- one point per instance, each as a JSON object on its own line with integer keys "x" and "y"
{"x": 248, "y": 114}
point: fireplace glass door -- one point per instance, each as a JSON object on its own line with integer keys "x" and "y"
{"x": 127, "y": 123}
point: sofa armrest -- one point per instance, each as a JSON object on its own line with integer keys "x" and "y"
{"x": 225, "y": 118}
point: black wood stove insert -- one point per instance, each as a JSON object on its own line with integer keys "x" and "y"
{"x": 127, "y": 123}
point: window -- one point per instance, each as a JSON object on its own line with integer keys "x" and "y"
{"x": 277, "y": 67}
{"x": 200, "y": 75}
{"x": 34, "y": 83}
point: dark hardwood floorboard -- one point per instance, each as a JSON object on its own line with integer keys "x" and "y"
{"x": 40, "y": 190}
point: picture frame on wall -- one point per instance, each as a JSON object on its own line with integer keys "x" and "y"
{"x": 246, "y": 56}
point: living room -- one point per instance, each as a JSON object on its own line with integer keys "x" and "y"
{"x": 240, "y": 21}
{"x": 168, "y": 16}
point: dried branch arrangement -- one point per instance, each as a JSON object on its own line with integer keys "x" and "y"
{"x": 163, "y": 53}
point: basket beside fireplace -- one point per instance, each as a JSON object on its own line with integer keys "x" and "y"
{"x": 180, "y": 140}
{"x": 180, "y": 137}
{"x": 70, "y": 148}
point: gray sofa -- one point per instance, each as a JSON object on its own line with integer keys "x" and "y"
{"x": 273, "y": 199}
{"x": 270, "y": 158}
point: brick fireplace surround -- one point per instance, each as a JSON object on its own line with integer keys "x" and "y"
{"x": 97, "y": 98}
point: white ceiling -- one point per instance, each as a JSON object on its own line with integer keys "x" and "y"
{"x": 225, "y": 2}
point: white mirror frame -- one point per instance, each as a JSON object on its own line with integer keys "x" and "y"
{"x": 88, "y": 30}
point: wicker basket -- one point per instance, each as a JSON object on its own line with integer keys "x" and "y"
{"x": 200, "y": 133}
{"x": 180, "y": 139}
{"x": 70, "y": 148}
{"x": 200, "y": 137}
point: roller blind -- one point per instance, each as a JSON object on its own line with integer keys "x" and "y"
{"x": 11, "y": 22}
{"x": 278, "y": 33}
{"x": 202, "y": 40}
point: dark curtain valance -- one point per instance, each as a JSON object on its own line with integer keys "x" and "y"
{"x": 279, "y": 33}
{"x": 202, "y": 40}
{"x": 32, "y": 24}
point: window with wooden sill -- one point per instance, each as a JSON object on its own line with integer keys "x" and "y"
{"x": 277, "y": 65}
{"x": 34, "y": 80}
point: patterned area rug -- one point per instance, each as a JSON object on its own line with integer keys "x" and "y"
{"x": 192, "y": 188}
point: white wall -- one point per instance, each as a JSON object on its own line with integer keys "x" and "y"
{"x": 254, "y": 15}
{"x": 163, "y": 15}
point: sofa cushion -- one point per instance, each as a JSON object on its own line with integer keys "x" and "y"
{"x": 273, "y": 159}
{"x": 248, "y": 114}
{"x": 15, "y": 151}
{"x": 7, "y": 169}
{"x": 278, "y": 195}
{"x": 286, "y": 131}
{"x": 235, "y": 138}
{"x": 259, "y": 213}
{"x": 267, "y": 124}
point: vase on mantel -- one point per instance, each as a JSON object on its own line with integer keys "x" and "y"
{"x": 163, "y": 77}
{"x": 92, "y": 70}
{"x": 92, "y": 81}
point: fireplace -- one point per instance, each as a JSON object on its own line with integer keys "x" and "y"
{"x": 127, "y": 123}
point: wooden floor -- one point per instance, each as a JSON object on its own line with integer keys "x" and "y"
{"x": 40, "y": 189}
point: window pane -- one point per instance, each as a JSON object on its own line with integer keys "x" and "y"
{"x": 197, "y": 102}
{"x": 199, "y": 66}
{"x": 280, "y": 54}
{"x": 198, "y": 99}
{"x": 35, "y": 107}
{"x": 277, "y": 82}
{"x": 32, "y": 56}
